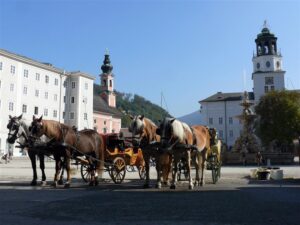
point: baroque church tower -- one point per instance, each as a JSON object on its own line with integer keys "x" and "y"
{"x": 107, "y": 82}
{"x": 267, "y": 64}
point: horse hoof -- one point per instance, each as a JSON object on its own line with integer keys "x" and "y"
{"x": 146, "y": 186}
{"x": 191, "y": 187}
{"x": 54, "y": 185}
{"x": 33, "y": 183}
{"x": 172, "y": 186}
{"x": 43, "y": 183}
{"x": 201, "y": 184}
{"x": 67, "y": 185}
{"x": 158, "y": 186}
{"x": 60, "y": 182}
{"x": 91, "y": 184}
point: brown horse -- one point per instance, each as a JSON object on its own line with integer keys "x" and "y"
{"x": 145, "y": 129}
{"x": 180, "y": 139}
{"x": 86, "y": 142}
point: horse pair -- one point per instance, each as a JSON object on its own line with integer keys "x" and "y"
{"x": 174, "y": 140}
{"x": 68, "y": 144}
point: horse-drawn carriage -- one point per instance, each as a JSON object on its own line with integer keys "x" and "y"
{"x": 120, "y": 156}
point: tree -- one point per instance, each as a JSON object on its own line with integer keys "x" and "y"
{"x": 278, "y": 117}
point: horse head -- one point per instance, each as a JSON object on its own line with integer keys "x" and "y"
{"x": 166, "y": 131}
{"x": 15, "y": 129}
{"x": 136, "y": 127}
{"x": 36, "y": 127}
{"x": 213, "y": 136}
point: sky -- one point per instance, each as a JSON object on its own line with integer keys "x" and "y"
{"x": 187, "y": 50}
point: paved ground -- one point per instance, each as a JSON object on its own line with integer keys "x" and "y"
{"x": 235, "y": 199}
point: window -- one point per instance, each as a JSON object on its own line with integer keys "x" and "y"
{"x": 64, "y": 115}
{"x": 0, "y": 65}
{"x": 220, "y": 120}
{"x": 24, "y": 109}
{"x": 73, "y": 84}
{"x": 72, "y": 99}
{"x": 110, "y": 83}
{"x": 72, "y": 115}
{"x": 46, "y": 95}
{"x": 54, "y": 113}
{"x": 266, "y": 89}
{"x": 37, "y": 76}
{"x": 272, "y": 88}
{"x": 12, "y": 69}
{"x": 25, "y": 90}
{"x": 104, "y": 130}
{"x": 104, "y": 122}
{"x": 104, "y": 83}
{"x": 221, "y": 133}
{"x": 64, "y": 99}
{"x": 55, "y": 97}
{"x": 36, "y": 110}
{"x": 11, "y": 88}
{"x": 45, "y": 112}
{"x": 230, "y": 120}
{"x": 11, "y": 106}
{"x": 113, "y": 131}
{"x": 231, "y": 133}
{"x": 47, "y": 79}
{"x": 56, "y": 81}
{"x": 210, "y": 121}
{"x": 37, "y": 92}
{"x": 65, "y": 84}
{"x": 86, "y": 86}
{"x": 85, "y": 116}
{"x": 269, "y": 80}
{"x": 95, "y": 121}
{"x": 26, "y": 73}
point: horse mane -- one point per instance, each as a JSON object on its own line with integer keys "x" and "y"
{"x": 150, "y": 129}
{"x": 180, "y": 129}
{"x": 55, "y": 129}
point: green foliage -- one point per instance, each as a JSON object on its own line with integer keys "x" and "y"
{"x": 279, "y": 116}
{"x": 136, "y": 105}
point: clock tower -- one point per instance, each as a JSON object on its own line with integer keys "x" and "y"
{"x": 267, "y": 64}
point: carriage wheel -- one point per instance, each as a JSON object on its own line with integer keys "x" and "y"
{"x": 86, "y": 172}
{"x": 142, "y": 172}
{"x": 118, "y": 170}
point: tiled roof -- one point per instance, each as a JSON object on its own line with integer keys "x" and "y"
{"x": 235, "y": 96}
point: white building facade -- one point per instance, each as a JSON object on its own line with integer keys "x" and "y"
{"x": 220, "y": 110}
{"x": 32, "y": 88}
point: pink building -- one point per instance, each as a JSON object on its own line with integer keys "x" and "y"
{"x": 107, "y": 118}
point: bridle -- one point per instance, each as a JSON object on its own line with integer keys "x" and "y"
{"x": 15, "y": 135}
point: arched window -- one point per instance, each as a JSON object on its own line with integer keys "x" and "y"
{"x": 259, "y": 50}
{"x": 110, "y": 83}
{"x": 104, "y": 83}
{"x": 266, "y": 49}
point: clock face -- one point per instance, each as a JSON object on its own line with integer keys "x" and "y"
{"x": 257, "y": 65}
{"x": 268, "y": 64}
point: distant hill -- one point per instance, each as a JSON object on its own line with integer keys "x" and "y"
{"x": 130, "y": 104}
{"x": 192, "y": 118}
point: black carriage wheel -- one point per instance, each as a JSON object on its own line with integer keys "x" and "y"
{"x": 85, "y": 172}
{"x": 142, "y": 172}
{"x": 118, "y": 170}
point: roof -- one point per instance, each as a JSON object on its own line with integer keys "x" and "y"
{"x": 235, "y": 96}
{"x": 101, "y": 106}
{"x": 47, "y": 66}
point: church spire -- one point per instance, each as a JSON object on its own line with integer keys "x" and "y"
{"x": 106, "y": 67}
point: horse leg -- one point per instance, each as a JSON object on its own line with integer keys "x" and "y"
{"x": 203, "y": 164}
{"x": 197, "y": 159}
{"x": 61, "y": 178}
{"x": 188, "y": 159}
{"x": 68, "y": 168}
{"x": 174, "y": 174}
{"x": 58, "y": 165}
{"x": 42, "y": 167}
{"x": 147, "y": 167}
{"x": 32, "y": 157}
{"x": 159, "y": 170}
